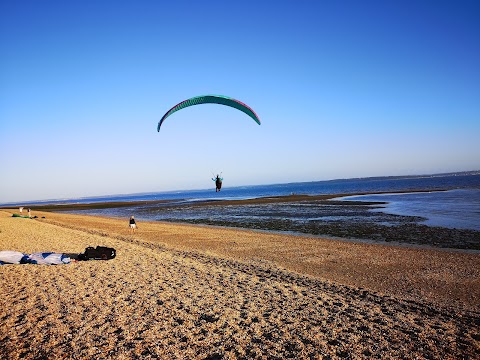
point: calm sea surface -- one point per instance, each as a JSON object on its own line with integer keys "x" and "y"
{"x": 453, "y": 209}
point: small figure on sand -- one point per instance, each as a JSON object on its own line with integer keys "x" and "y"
{"x": 218, "y": 183}
{"x": 21, "y": 210}
{"x": 133, "y": 224}
{"x": 29, "y": 213}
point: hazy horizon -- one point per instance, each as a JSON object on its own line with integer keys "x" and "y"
{"x": 99, "y": 196}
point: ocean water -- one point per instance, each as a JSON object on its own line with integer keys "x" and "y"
{"x": 343, "y": 186}
{"x": 458, "y": 207}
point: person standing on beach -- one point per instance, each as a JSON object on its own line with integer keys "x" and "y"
{"x": 133, "y": 224}
{"x": 29, "y": 213}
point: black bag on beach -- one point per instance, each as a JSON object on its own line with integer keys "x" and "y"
{"x": 98, "y": 253}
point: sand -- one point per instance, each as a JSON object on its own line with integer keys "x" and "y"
{"x": 196, "y": 292}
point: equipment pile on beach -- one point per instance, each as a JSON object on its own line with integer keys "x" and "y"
{"x": 52, "y": 258}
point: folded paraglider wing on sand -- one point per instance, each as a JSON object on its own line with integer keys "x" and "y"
{"x": 41, "y": 258}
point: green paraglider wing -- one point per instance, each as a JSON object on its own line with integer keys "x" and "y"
{"x": 211, "y": 99}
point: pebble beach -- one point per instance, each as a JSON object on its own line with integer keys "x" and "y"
{"x": 181, "y": 291}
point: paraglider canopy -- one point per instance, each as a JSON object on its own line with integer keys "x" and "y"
{"x": 211, "y": 99}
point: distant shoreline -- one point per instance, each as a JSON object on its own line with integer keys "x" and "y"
{"x": 451, "y": 180}
{"x": 259, "y": 200}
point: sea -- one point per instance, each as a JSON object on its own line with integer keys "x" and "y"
{"x": 457, "y": 205}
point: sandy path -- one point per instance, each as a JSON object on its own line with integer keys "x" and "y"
{"x": 196, "y": 292}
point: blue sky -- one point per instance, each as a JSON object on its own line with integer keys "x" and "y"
{"x": 343, "y": 88}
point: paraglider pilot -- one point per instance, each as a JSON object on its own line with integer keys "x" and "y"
{"x": 218, "y": 183}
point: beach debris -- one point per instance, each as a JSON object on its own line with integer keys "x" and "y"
{"x": 211, "y": 99}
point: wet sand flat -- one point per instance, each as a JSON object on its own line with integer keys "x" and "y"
{"x": 317, "y": 215}
{"x": 198, "y": 292}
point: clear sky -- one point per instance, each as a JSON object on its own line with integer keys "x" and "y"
{"x": 343, "y": 89}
